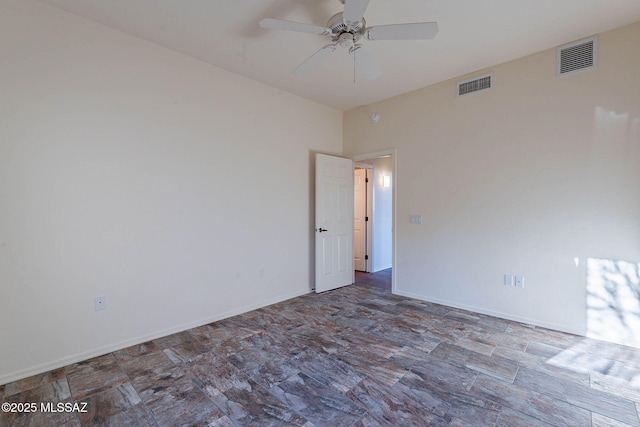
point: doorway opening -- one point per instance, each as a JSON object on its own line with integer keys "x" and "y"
{"x": 362, "y": 216}
{"x": 374, "y": 240}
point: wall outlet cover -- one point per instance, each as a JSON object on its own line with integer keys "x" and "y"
{"x": 508, "y": 279}
{"x": 415, "y": 219}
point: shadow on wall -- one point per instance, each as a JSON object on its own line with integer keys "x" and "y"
{"x": 613, "y": 301}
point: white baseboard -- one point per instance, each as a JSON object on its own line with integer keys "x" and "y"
{"x": 507, "y": 316}
{"x": 100, "y": 351}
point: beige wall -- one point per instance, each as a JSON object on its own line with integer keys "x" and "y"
{"x": 530, "y": 178}
{"x": 131, "y": 171}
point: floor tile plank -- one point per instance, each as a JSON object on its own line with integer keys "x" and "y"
{"x": 448, "y": 400}
{"x": 356, "y": 356}
{"x": 536, "y": 405}
{"x": 593, "y": 400}
{"x": 598, "y": 420}
{"x": 94, "y": 375}
{"x": 318, "y": 403}
{"x": 386, "y": 405}
{"x": 627, "y": 388}
{"x": 510, "y": 418}
{"x": 493, "y": 366}
{"x": 540, "y": 364}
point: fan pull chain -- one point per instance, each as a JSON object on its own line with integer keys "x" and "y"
{"x": 354, "y": 66}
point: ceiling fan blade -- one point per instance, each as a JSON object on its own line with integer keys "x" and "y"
{"x": 354, "y": 10}
{"x": 314, "y": 60}
{"x": 298, "y": 27}
{"x": 415, "y": 31}
{"x": 365, "y": 62}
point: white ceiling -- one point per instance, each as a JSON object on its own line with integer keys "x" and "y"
{"x": 474, "y": 34}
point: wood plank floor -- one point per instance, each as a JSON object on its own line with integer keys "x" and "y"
{"x": 356, "y": 356}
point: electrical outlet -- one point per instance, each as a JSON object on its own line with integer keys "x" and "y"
{"x": 415, "y": 219}
{"x": 519, "y": 283}
{"x": 508, "y": 279}
{"x": 100, "y": 303}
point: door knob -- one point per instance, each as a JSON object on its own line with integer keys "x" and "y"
{"x": 320, "y": 230}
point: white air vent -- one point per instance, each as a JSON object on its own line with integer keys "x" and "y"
{"x": 578, "y": 56}
{"x": 477, "y": 84}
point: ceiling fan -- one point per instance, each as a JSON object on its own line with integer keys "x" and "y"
{"x": 346, "y": 29}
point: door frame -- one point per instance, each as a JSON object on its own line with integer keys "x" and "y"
{"x": 369, "y": 208}
{"x": 394, "y": 186}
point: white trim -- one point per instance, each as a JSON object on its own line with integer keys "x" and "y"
{"x": 362, "y": 165}
{"x": 501, "y": 315}
{"x": 368, "y": 264}
{"x": 394, "y": 186}
{"x": 100, "y": 351}
{"x": 370, "y": 195}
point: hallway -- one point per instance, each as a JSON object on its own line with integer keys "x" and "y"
{"x": 379, "y": 280}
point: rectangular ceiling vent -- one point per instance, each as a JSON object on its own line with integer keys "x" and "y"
{"x": 477, "y": 84}
{"x": 578, "y": 56}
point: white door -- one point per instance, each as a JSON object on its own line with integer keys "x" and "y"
{"x": 334, "y": 222}
{"x": 359, "y": 219}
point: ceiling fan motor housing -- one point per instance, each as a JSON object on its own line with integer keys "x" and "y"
{"x": 339, "y": 27}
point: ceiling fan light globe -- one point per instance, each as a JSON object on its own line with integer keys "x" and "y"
{"x": 346, "y": 40}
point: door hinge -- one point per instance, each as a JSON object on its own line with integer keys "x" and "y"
{"x": 366, "y": 218}
{"x": 366, "y": 257}
{"x": 366, "y": 180}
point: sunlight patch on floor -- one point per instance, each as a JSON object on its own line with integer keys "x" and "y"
{"x": 613, "y": 301}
